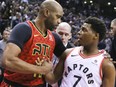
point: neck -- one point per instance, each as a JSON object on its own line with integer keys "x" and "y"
{"x": 87, "y": 50}
{"x": 40, "y": 25}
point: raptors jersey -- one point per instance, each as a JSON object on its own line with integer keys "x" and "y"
{"x": 37, "y": 46}
{"x": 81, "y": 70}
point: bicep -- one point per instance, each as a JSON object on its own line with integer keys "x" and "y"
{"x": 10, "y": 53}
{"x": 108, "y": 74}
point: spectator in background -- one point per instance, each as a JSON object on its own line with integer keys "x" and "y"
{"x": 6, "y": 34}
{"x": 64, "y": 31}
{"x": 15, "y": 19}
{"x": 113, "y": 46}
{"x": 108, "y": 41}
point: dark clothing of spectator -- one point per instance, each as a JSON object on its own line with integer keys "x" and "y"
{"x": 113, "y": 49}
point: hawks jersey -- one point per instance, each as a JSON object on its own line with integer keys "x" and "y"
{"x": 81, "y": 70}
{"x": 37, "y": 46}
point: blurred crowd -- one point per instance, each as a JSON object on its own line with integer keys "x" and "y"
{"x": 13, "y": 12}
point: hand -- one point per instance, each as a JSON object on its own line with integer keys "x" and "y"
{"x": 107, "y": 55}
{"x": 46, "y": 63}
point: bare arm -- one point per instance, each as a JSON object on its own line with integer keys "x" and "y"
{"x": 13, "y": 63}
{"x": 108, "y": 73}
{"x": 53, "y": 77}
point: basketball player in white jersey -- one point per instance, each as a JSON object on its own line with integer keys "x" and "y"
{"x": 85, "y": 66}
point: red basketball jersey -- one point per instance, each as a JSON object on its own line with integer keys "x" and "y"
{"x": 36, "y": 46}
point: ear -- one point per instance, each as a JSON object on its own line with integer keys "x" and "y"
{"x": 70, "y": 36}
{"x": 46, "y": 12}
{"x": 96, "y": 36}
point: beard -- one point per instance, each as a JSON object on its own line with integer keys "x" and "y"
{"x": 49, "y": 24}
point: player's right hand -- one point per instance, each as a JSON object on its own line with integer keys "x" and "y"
{"x": 46, "y": 63}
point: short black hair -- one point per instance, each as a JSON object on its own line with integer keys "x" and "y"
{"x": 97, "y": 25}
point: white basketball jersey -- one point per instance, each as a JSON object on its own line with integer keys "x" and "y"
{"x": 81, "y": 70}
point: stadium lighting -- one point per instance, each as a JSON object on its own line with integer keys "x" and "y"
{"x": 91, "y": 1}
{"x": 114, "y": 8}
{"x": 85, "y": 2}
{"x": 109, "y": 3}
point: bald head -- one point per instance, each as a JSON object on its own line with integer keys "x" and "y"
{"x": 51, "y": 5}
{"x": 50, "y": 14}
{"x": 114, "y": 21}
{"x": 64, "y": 26}
{"x": 113, "y": 26}
{"x": 64, "y": 31}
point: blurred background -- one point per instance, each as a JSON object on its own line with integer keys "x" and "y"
{"x": 13, "y": 12}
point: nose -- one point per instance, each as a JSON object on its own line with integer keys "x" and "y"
{"x": 78, "y": 33}
{"x": 63, "y": 36}
{"x": 59, "y": 21}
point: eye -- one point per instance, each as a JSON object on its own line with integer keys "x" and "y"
{"x": 60, "y": 33}
{"x": 84, "y": 29}
{"x": 58, "y": 16}
{"x": 111, "y": 28}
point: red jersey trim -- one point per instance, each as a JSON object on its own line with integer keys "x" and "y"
{"x": 100, "y": 69}
{"x": 94, "y": 55}
{"x": 38, "y": 30}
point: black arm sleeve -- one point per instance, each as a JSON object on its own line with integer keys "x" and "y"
{"x": 20, "y": 34}
{"x": 59, "y": 48}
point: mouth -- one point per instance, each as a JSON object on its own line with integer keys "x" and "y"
{"x": 79, "y": 39}
{"x": 55, "y": 26}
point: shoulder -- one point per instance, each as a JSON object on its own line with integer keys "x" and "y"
{"x": 107, "y": 62}
{"x": 23, "y": 25}
{"x": 69, "y": 50}
{"x": 21, "y": 28}
{"x": 107, "y": 66}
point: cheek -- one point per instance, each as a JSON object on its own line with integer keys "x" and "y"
{"x": 87, "y": 38}
{"x": 114, "y": 31}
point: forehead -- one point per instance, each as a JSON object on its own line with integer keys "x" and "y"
{"x": 59, "y": 11}
{"x": 5, "y": 32}
{"x": 63, "y": 29}
{"x": 86, "y": 25}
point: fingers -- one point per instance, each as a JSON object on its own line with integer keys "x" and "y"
{"x": 41, "y": 61}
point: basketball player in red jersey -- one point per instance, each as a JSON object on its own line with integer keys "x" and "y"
{"x": 31, "y": 40}
{"x": 85, "y": 65}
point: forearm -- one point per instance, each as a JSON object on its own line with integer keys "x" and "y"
{"x": 20, "y": 66}
{"x": 53, "y": 77}
{"x": 50, "y": 78}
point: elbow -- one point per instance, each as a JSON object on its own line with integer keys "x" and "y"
{"x": 50, "y": 78}
{"x": 5, "y": 62}
{"x": 52, "y": 82}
